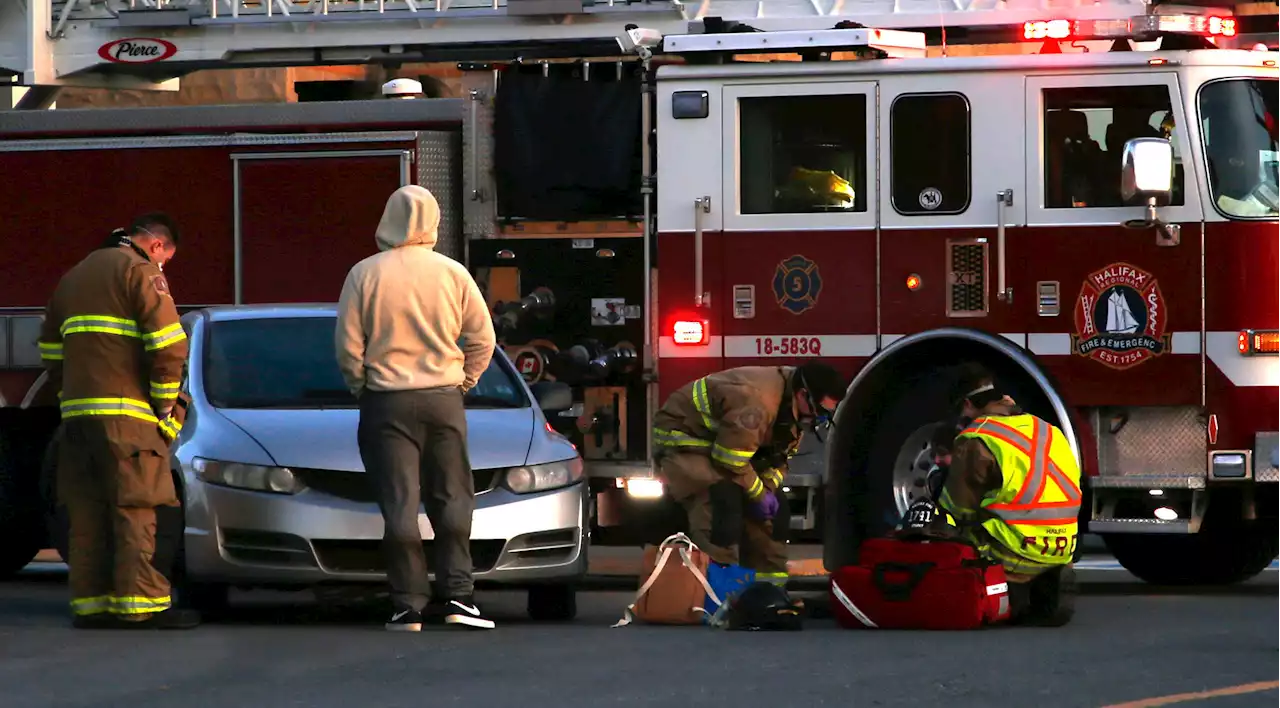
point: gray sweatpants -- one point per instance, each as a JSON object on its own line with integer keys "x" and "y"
{"x": 414, "y": 448}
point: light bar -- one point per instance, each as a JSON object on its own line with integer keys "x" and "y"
{"x": 1136, "y": 27}
{"x": 691, "y": 332}
{"x": 896, "y": 43}
{"x": 1251, "y": 342}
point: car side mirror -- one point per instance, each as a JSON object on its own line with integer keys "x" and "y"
{"x": 552, "y": 396}
{"x": 1146, "y": 172}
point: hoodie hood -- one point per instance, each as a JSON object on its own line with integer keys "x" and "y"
{"x": 411, "y": 218}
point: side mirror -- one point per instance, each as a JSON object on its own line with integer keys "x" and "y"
{"x": 1146, "y": 172}
{"x": 552, "y": 396}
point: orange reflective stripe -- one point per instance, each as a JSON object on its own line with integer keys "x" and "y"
{"x": 1026, "y": 507}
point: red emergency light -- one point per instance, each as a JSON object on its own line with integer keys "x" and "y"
{"x": 1204, "y": 25}
{"x": 691, "y": 332}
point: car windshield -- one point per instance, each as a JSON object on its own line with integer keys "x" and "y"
{"x": 288, "y": 362}
{"x": 1238, "y": 120}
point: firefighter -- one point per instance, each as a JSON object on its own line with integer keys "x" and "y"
{"x": 114, "y": 350}
{"x": 1013, "y": 488}
{"x": 722, "y": 443}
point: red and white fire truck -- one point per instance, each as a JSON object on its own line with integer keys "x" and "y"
{"x": 1089, "y": 208}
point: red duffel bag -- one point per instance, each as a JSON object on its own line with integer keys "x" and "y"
{"x": 919, "y": 584}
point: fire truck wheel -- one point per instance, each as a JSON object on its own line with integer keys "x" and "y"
{"x": 871, "y": 499}
{"x": 55, "y": 513}
{"x": 554, "y": 603}
{"x": 21, "y": 535}
{"x": 1223, "y": 555}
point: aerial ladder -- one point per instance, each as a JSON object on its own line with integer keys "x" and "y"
{"x": 151, "y": 44}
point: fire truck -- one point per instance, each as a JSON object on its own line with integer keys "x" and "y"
{"x": 1083, "y": 199}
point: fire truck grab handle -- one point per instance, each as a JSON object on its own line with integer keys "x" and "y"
{"x": 1004, "y": 198}
{"x": 474, "y": 106}
{"x": 701, "y": 205}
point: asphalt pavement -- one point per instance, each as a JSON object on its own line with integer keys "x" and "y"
{"x": 1129, "y": 643}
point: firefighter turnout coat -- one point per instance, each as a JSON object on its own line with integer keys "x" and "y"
{"x": 112, "y": 341}
{"x": 1016, "y": 481}
{"x": 114, "y": 349}
{"x": 735, "y": 417}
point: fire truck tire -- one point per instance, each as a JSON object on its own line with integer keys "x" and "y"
{"x": 864, "y": 504}
{"x": 21, "y": 535}
{"x": 55, "y": 513}
{"x": 553, "y": 603}
{"x": 1229, "y": 554}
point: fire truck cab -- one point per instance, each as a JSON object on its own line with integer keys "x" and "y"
{"x": 1097, "y": 228}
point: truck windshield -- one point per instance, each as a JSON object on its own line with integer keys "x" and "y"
{"x": 288, "y": 362}
{"x": 1238, "y": 121}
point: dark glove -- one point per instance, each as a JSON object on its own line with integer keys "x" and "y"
{"x": 764, "y": 507}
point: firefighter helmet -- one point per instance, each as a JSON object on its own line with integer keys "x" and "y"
{"x": 763, "y": 606}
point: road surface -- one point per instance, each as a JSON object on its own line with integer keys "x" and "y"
{"x": 1129, "y": 642}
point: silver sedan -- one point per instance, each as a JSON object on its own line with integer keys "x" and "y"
{"x": 274, "y": 492}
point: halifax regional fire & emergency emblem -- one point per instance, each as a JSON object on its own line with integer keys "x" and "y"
{"x": 1120, "y": 317}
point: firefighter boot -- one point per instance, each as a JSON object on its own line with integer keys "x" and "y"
{"x": 172, "y": 618}
{"x": 1051, "y": 598}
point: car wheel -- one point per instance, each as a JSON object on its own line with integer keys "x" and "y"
{"x": 20, "y": 528}
{"x": 556, "y": 603}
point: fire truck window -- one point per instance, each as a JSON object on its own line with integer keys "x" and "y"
{"x": 1085, "y": 129}
{"x": 1239, "y": 128}
{"x": 803, "y": 154}
{"x": 929, "y": 154}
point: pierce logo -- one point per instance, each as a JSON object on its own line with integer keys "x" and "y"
{"x": 1120, "y": 317}
{"x": 137, "y": 50}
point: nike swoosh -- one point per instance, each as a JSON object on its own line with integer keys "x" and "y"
{"x": 473, "y": 610}
{"x": 398, "y": 615}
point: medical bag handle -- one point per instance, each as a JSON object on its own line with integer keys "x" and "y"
{"x": 899, "y": 592}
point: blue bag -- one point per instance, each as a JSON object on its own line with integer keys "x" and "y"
{"x": 726, "y": 581}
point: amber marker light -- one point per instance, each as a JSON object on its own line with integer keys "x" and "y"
{"x": 913, "y": 282}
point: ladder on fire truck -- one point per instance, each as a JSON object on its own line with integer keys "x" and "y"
{"x": 146, "y": 44}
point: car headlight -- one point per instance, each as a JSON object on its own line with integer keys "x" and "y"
{"x": 280, "y": 480}
{"x": 540, "y": 478}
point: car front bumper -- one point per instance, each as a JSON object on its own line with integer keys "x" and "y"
{"x": 256, "y": 538}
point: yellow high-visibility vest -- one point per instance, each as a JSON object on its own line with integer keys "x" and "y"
{"x": 1034, "y": 513}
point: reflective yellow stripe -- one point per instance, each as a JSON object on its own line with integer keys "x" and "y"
{"x": 170, "y": 428}
{"x": 139, "y": 605}
{"x": 756, "y": 490}
{"x": 165, "y": 391}
{"x": 101, "y": 324}
{"x": 164, "y": 337}
{"x": 773, "y": 475}
{"x": 702, "y": 402}
{"x": 130, "y": 407}
{"x": 51, "y": 351}
{"x": 675, "y": 438}
{"x": 91, "y": 605}
{"x": 730, "y": 457}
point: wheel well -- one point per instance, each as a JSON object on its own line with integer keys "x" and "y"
{"x": 880, "y": 379}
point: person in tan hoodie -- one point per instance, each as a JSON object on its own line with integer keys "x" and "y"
{"x": 413, "y": 335}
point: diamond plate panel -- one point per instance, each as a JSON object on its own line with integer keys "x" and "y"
{"x": 966, "y": 278}
{"x": 439, "y": 163}
{"x": 1153, "y": 441}
{"x": 479, "y": 202}
{"x": 1266, "y": 457}
{"x": 1139, "y": 481}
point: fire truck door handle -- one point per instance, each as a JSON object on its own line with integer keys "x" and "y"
{"x": 1004, "y": 198}
{"x": 701, "y": 205}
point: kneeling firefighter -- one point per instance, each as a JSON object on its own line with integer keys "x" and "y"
{"x": 722, "y": 443}
{"x": 1013, "y": 488}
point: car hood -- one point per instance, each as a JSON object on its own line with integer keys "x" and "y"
{"x": 326, "y": 439}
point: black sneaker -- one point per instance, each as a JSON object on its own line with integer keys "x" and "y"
{"x": 464, "y": 613}
{"x": 405, "y": 621}
{"x": 435, "y": 612}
